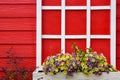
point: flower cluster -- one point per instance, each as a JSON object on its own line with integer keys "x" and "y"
{"x": 88, "y": 62}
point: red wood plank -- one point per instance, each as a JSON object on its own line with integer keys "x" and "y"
{"x": 118, "y": 38}
{"x": 17, "y": 24}
{"x": 17, "y": 11}
{"x": 18, "y": 50}
{"x": 17, "y": 1}
{"x": 118, "y": 51}
{"x": 27, "y": 63}
{"x": 118, "y": 24}
{"x": 118, "y": 11}
{"x": 118, "y": 64}
{"x": 17, "y": 37}
{"x": 118, "y": 2}
{"x": 2, "y": 76}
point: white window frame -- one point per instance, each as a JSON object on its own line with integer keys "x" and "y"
{"x": 63, "y": 37}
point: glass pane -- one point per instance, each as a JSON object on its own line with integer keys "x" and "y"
{"x": 51, "y": 22}
{"x": 75, "y": 22}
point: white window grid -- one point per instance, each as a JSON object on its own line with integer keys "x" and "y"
{"x": 88, "y": 36}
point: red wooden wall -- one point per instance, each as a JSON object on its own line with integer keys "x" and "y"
{"x": 118, "y": 34}
{"x": 18, "y": 28}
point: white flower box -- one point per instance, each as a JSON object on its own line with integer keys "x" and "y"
{"x": 76, "y": 76}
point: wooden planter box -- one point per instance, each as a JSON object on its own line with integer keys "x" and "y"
{"x": 76, "y": 76}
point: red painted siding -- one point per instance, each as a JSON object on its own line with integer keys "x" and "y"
{"x": 17, "y": 31}
{"x": 118, "y": 34}
{"x": 17, "y": 1}
{"x": 13, "y": 24}
{"x": 17, "y": 10}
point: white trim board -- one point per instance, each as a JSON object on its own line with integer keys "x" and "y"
{"x": 39, "y": 34}
{"x": 76, "y": 7}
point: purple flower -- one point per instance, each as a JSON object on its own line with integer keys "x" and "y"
{"x": 99, "y": 67}
{"x": 74, "y": 55}
{"x": 78, "y": 63}
{"x": 57, "y": 63}
{"x": 53, "y": 70}
{"x": 90, "y": 66}
{"x": 88, "y": 62}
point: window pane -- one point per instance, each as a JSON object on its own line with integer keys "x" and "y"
{"x": 100, "y": 2}
{"x": 101, "y": 46}
{"x": 51, "y": 22}
{"x": 75, "y": 2}
{"x": 100, "y": 22}
{"x": 81, "y": 43}
{"x": 50, "y": 47}
{"x": 51, "y": 2}
{"x": 75, "y": 22}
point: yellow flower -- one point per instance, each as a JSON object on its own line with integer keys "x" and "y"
{"x": 100, "y": 64}
{"x": 74, "y": 64}
{"x": 91, "y": 72}
{"x": 82, "y": 64}
{"x": 96, "y": 69}
{"x": 105, "y": 63}
{"x": 77, "y": 58}
{"x": 90, "y": 55}
{"x": 85, "y": 59}
{"x": 85, "y": 71}
{"x": 102, "y": 69}
{"x": 86, "y": 55}
{"x": 51, "y": 73}
{"x": 47, "y": 62}
{"x": 56, "y": 70}
{"x": 97, "y": 57}
{"x": 65, "y": 72}
{"x": 62, "y": 63}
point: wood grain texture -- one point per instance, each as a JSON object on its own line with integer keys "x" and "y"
{"x": 17, "y": 37}
{"x": 26, "y": 63}
{"x": 25, "y": 51}
{"x": 118, "y": 11}
{"x": 118, "y": 24}
{"x": 17, "y": 1}
{"x": 17, "y": 24}
{"x": 118, "y": 63}
{"x": 118, "y": 2}
{"x": 118, "y": 51}
{"x": 118, "y": 38}
{"x": 17, "y": 11}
